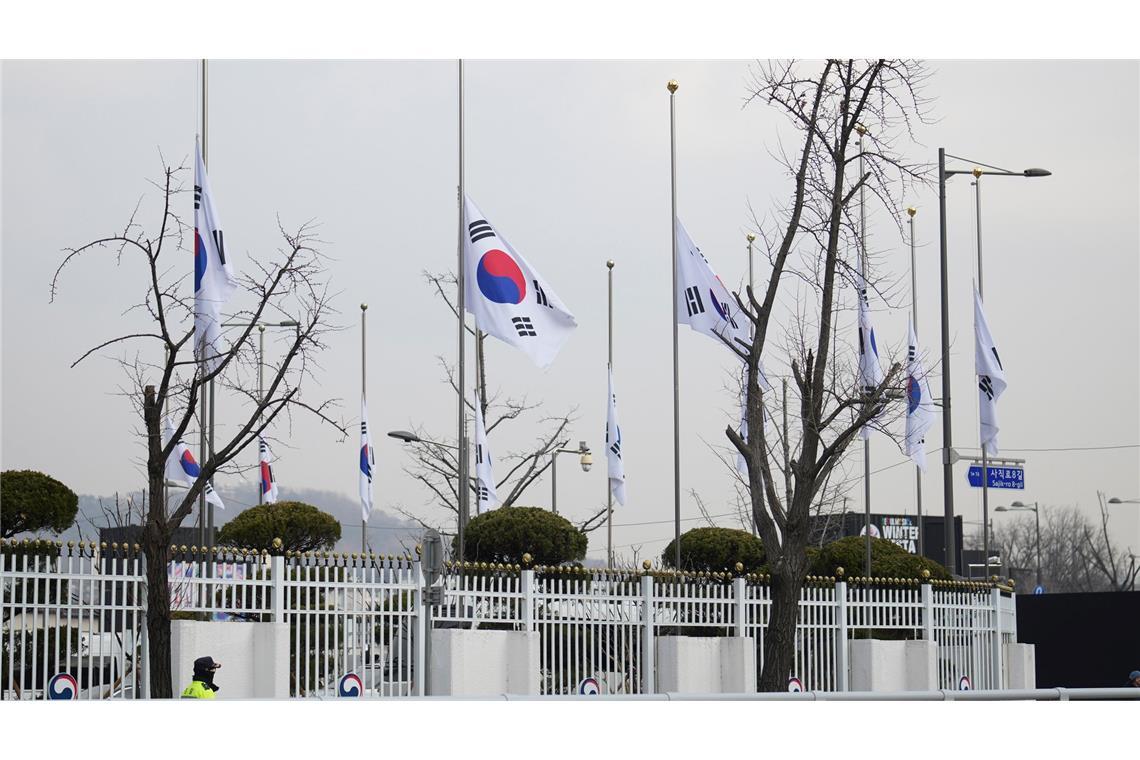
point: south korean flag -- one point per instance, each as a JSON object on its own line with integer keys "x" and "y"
{"x": 704, "y": 303}
{"x": 870, "y": 369}
{"x": 486, "y": 499}
{"x": 509, "y": 299}
{"x": 991, "y": 377}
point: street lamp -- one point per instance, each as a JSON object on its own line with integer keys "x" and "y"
{"x": 947, "y": 442}
{"x": 585, "y": 458}
{"x": 1115, "y": 500}
{"x": 1018, "y": 506}
{"x": 406, "y": 437}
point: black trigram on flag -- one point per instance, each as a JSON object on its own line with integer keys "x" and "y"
{"x": 197, "y": 196}
{"x": 478, "y": 454}
{"x": 540, "y": 295}
{"x": 996, "y": 357}
{"x": 693, "y": 301}
{"x": 862, "y": 348}
{"x": 220, "y": 243}
{"x": 524, "y": 327}
{"x": 986, "y": 385}
{"x": 363, "y": 427}
{"x": 482, "y": 493}
{"x": 911, "y": 354}
{"x": 479, "y": 229}
{"x": 615, "y": 447}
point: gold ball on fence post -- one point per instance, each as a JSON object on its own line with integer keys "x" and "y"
{"x": 526, "y": 558}
{"x": 672, "y": 86}
{"x": 740, "y": 567}
{"x": 419, "y": 550}
{"x": 1011, "y": 583}
{"x": 646, "y": 564}
{"x": 839, "y": 571}
{"x": 278, "y": 543}
{"x": 925, "y": 573}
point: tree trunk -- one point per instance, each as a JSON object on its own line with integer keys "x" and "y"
{"x": 780, "y": 638}
{"x": 156, "y": 547}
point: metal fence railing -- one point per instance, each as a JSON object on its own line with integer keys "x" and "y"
{"x": 74, "y": 618}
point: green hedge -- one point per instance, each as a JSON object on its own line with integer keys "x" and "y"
{"x": 888, "y": 560}
{"x": 716, "y": 550}
{"x": 505, "y": 534}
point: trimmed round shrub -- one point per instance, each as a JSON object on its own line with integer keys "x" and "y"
{"x": 505, "y": 534}
{"x": 716, "y": 550}
{"x": 888, "y": 560}
{"x": 31, "y": 501}
{"x": 300, "y": 526}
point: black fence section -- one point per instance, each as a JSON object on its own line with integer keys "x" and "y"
{"x": 1089, "y": 640}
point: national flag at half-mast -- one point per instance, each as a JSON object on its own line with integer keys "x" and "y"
{"x": 704, "y": 302}
{"x": 870, "y": 369}
{"x": 507, "y": 296}
{"x": 367, "y": 463}
{"x": 615, "y": 461}
{"x": 991, "y": 377}
{"x": 268, "y": 481}
{"x": 183, "y": 469}
{"x": 214, "y": 276}
{"x": 920, "y": 407}
{"x": 487, "y": 497}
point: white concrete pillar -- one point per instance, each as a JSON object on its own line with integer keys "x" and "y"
{"x": 1020, "y": 666}
{"x": 483, "y": 663}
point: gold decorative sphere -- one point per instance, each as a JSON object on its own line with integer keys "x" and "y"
{"x": 261, "y": 328}
{"x": 839, "y": 571}
{"x": 672, "y": 86}
{"x": 610, "y": 264}
{"x": 526, "y": 558}
{"x": 860, "y": 129}
{"x": 278, "y": 543}
{"x": 646, "y": 564}
{"x": 740, "y": 567}
{"x": 364, "y": 307}
{"x": 925, "y": 573}
{"x": 977, "y": 172}
{"x": 911, "y": 211}
{"x": 750, "y": 237}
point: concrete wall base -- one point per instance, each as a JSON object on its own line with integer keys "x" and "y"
{"x": 254, "y": 657}
{"x": 1020, "y": 666}
{"x": 700, "y": 665}
{"x": 472, "y": 663}
{"x": 893, "y": 665}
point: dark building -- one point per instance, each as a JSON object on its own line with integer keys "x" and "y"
{"x": 902, "y": 529}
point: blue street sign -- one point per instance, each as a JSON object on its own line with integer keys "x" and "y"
{"x": 1039, "y": 590}
{"x": 1000, "y": 477}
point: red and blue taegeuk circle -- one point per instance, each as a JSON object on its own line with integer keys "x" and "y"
{"x": 189, "y": 466}
{"x": 349, "y": 685}
{"x": 500, "y": 279}
{"x": 62, "y": 686}
{"x": 199, "y": 261}
{"x": 913, "y": 394}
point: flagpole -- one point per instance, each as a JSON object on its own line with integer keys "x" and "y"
{"x": 364, "y": 396}
{"x": 911, "y": 211}
{"x": 462, "y": 486}
{"x": 203, "y": 388}
{"x": 260, "y": 400}
{"x": 672, "y": 87}
{"x": 610, "y": 366}
{"x": 985, "y": 459}
{"x": 863, "y": 273}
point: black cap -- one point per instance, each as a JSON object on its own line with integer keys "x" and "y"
{"x": 206, "y": 663}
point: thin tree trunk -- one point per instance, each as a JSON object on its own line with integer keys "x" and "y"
{"x": 780, "y": 638}
{"x": 156, "y": 547}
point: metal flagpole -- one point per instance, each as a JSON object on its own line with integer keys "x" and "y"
{"x": 985, "y": 457}
{"x": 364, "y": 395}
{"x": 610, "y": 366}
{"x": 863, "y": 273}
{"x": 462, "y": 486}
{"x": 950, "y": 540}
{"x": 672, "y": 87}
{"x": 204, "y": 388}
{"x": 914, "y": 318}
{"x": 260, "y": 400}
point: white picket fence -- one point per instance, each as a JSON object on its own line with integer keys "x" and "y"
{"x": 79, "y": 612}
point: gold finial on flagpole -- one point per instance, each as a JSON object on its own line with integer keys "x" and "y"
{"x": 911, "y": 211}
{"x": 672, "y": 86}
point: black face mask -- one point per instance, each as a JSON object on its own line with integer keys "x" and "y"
{"x": 206, "y": 677}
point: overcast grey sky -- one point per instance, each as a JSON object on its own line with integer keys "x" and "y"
{"x": 571, "y": 161}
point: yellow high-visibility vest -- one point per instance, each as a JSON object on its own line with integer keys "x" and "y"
{"x": 197, "y": 690}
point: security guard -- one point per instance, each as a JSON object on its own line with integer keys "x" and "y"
{"x": 202, "y": 687}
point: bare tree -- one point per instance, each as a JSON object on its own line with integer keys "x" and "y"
{"x": 437, "y": 467}
{"x": 810, "y": 246}
{"x": 1076, "y": 554}
{"x": 290, "y": 285}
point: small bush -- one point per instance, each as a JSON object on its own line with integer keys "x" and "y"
{"x": 504, "y": 535}
{"x": 888, "y": 560}
{"x": 716, "y": 550}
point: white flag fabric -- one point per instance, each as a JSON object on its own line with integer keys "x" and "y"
{"x": 920, "y": 407}
{"x": 268, "y": 481}
{"x": 508, "y": 297}
{"x": 991, "y": 377}
{"x": 214, "y": 277}
{"x": 704, "y": 303}
{"x": 182, "y": 468}
{"x": 870, "y": 370}
{"x": 367, "y": 462}
{"x": 484, "y": 466}
{"x": 614, "y": 462}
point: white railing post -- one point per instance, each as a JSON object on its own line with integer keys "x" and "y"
{"x": 842, "y": 646}
{"x": 739, "y": 598}
{"x": 421, "y": 611}
{"x": 277, "y": 602}
{"x": 927, "y": 611}
{"x": 648, "y": 657}
{"x": 999, "y": 670}
{"x": 526, "y": 579}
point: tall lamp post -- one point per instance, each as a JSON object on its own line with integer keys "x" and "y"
{"x": 1017, "y": 506}
{"x": 585, "y": 458}
{"x": 947, "y": 441}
